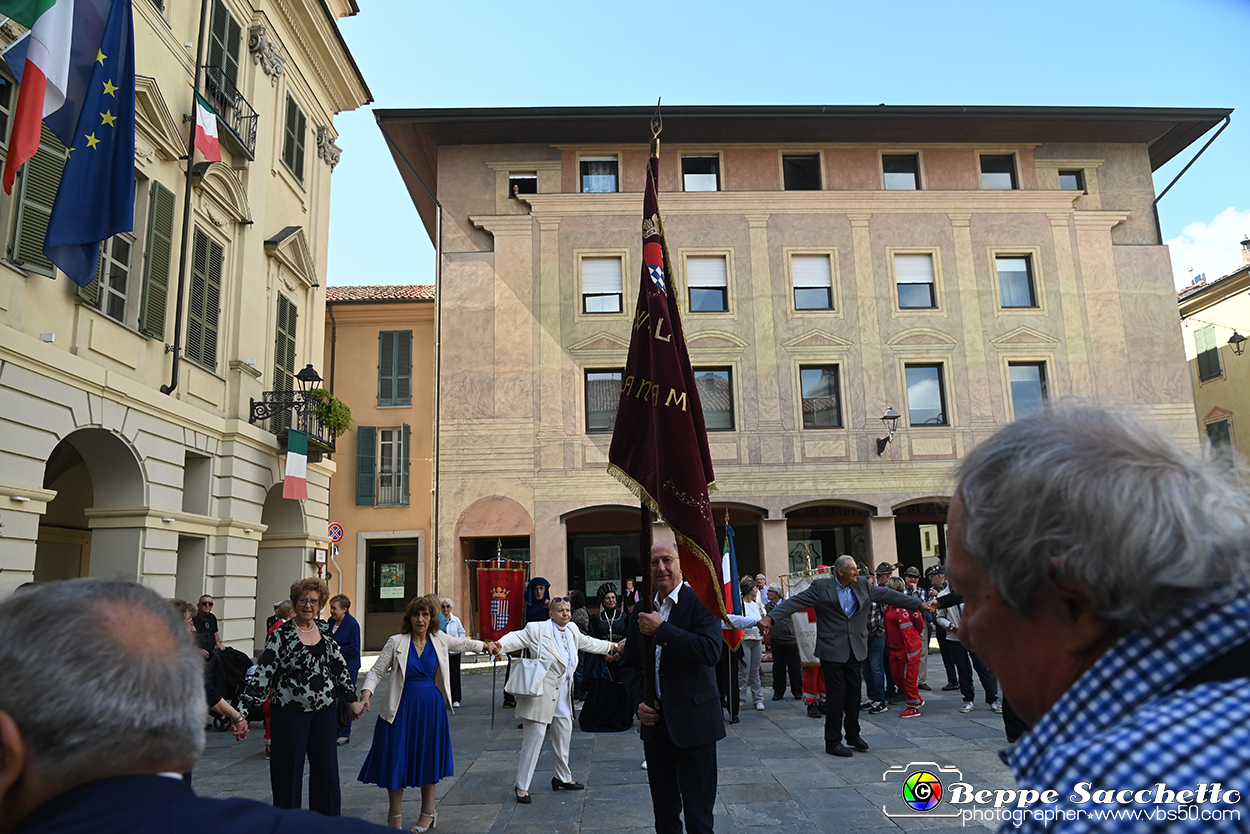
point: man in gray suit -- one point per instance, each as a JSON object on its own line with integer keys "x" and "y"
{"x": 841, "y": 607}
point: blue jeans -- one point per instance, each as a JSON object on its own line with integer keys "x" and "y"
{"x": 874, "y": 668}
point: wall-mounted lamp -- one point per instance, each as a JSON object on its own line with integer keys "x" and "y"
{"x": 890, "y": 421}
{"x": 21, "y": 499}
{"x": 167, "y": 520}
{"x": 248, "y": 530}
{"x": 1237, "y": 342}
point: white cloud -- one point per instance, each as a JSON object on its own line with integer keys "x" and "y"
{"x": 1212, "y": 248}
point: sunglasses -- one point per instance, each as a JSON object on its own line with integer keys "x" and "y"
{"x": 207, "y": 604}
{"x": 560, "y": 599}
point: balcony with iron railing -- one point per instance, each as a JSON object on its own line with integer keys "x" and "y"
{"x": 233, "y": 110}
{"x": 280, "y": 411}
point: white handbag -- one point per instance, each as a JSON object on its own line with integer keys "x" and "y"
{"x": 525, "y": 677}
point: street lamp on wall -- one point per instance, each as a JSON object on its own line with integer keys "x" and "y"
{"x": 1237, "y": 342}
{"x": 890, "y": 421}
{"x": 309, "y": 379}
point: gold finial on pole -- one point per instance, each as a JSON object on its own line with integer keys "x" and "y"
{"x": 726, "y": 516}
{"x": 807, "y": 554}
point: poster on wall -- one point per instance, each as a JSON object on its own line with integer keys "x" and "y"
{"x": 603, "y": 564}
{"x": 392, "y": 584}
{"x": 799, "y": 552}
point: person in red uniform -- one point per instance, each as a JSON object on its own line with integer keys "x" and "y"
{"x": 903, "y": 629}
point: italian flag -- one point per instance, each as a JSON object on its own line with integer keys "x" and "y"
{"x": 295, "y": 484}
{"x": 45, "y": 76}
{"x": 206, "y": 130}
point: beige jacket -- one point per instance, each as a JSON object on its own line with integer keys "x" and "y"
{"x": 394, "y": 660}
{"x": 540, "y": 639}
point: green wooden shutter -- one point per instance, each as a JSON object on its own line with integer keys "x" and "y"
{"x": 386, "y": 367}
{"x": 296, "y": 126}
{"x": 1208, "y": 352}
{"x": 40, "y": 178}
{"x": 204, "y": 305}
{"x": 405, "y": 454}
{"x": 284, "y": 346}
{"x": 224, "y": 38}
{"x": 403, "y": 367}
{"x": 366, "y": 461}
{"x": 157, "y": 256}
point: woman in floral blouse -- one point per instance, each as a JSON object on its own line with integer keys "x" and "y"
{"x": 303, "y": 673}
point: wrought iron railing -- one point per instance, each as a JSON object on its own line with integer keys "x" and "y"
{"x": 232, "y": 107}
{"x": 281, "y": 411}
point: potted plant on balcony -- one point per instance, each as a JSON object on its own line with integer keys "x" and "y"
{"x": 333, "y": 413}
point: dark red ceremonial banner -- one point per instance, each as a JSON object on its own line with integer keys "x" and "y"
{"x": 659, "y": 444}
{"x": 500, "y": 598}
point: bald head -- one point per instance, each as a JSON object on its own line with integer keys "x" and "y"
{"x": 665, "y": 568}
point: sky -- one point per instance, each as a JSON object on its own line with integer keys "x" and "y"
{"x": 543, "y": 53}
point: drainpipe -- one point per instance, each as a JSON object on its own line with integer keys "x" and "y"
{"x": 176, "y": 348}
{"x": 438, "y": 352}
{"x": 1155, "y": 204}
{"x": 334, "y": 338}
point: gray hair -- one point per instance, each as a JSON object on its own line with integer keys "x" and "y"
{"x": 447, "y": 601}
{"x": 1103, "y": 503}
{"x": 96, "y": 685}
{"x": 841, "y": 561}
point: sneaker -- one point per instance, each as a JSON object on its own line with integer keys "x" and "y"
{"x": 950, "y": 687}
{"x": 968, "y": 707}
{"x": 644, "y": 764}
{"x": 910, "y": 712}
{"x": 919, "y": 702}
{"x": 866, "y": 704}
{"x": 997, "y": 706}
{"x": 760, "y": 706}
{"x": 456, "y": 704}
{"x": 877, "y": 708}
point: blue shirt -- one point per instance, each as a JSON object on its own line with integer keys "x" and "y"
{"x": 847, "y": 596}
{"x": 1125, "y": 724}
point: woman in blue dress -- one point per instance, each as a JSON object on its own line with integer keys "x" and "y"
{"x": 412, "y": 738}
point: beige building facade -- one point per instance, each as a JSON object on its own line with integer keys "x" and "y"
{"x": 379, "y": 351}
{"x": 1215, "y": 317}
{"x": 103, "y": 474}
{"x": 959, "y": 265}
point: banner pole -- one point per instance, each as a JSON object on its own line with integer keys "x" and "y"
{"x": 494, "y": 670}
{"x": 648, "y": 643}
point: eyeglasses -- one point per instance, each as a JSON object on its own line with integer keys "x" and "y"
{"x": 308, "y": 602}
{"x": 207, "y": 604}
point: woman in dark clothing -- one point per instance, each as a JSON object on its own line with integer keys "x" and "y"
{"x": 607, "y": 708}
{"x": 537, "y": 599}
{"x": 581, "y": 619}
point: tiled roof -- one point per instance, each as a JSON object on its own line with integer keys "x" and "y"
{"x": 382, "y": 292}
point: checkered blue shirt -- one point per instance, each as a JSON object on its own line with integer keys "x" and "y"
{"x": 1125, "y": 725}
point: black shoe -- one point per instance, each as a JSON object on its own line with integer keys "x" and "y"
{"x": 509, "y": 703}
{"x": 778, "y": 697}
{"x": 858, "y": 744}
{"x": 523, "y": 800}
{"x": 821, "y": 706}
{"x": 865, "y": 704}
{"x": 813, "y": 711}
{"x": 950, "y": 687}
{"x": 557, "y": 785}
{"x": 734, "y": 719}
{"x": 837, "y": 749}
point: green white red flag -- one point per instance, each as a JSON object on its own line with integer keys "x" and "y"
{"x": 295, "y": 482}
{"x": 206, "y": 130}
{"x": 45, "y": 77}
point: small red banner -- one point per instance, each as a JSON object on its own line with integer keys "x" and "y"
{"x": 500, "y": 596}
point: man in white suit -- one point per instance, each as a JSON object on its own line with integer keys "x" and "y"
{"x": 554, "y": 642}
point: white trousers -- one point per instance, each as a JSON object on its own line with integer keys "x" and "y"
{"x": 532, "y": 743}
{"x": 749, "y": 672}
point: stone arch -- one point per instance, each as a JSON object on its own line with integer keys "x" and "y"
{"x": 281, "y": 556}
{"x": 95, "y": 525}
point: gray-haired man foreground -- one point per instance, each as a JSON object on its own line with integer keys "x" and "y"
{"x": 1105, "y": 581}
{"x": 102, "y": 706}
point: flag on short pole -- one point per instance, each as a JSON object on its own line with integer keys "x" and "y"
{"x": 659, "y": 443}
{"x": 295, "y": 482}
{"x": 733, "y": 592}
{"x": 206, "y": 130}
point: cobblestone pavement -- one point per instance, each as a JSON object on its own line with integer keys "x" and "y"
{"x": 772, "y": 770}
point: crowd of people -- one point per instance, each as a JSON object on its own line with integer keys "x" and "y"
{"x": 1116, "y": 675}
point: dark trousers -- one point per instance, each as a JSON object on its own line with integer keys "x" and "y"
{"x": 948, "y": 657}
{"x": 297, "y": 735}
{"x": 965, "y": 662}
{"x": 786, "y": 664}
{"x": 1013, "y": 724}
{"x": 842, "y": 682}
{"x": 682, "y": 780}
{"x": 891, "y": 688}
{"x": 453, "y": 666}
{"x": 346, "y": 732}
{"x": 727, "y": 678}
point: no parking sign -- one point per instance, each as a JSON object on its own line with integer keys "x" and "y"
{"x": 336, "y": 532}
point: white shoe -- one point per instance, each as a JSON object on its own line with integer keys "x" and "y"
{"x": 644, "y": 764}
{"x": 968, "y": 707}
{"x": 759, "y": 707}
{"x": 456, "y": 704}
{"x": 997, "y": 706}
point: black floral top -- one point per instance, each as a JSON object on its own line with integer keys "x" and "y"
{"x": 304, "y": 678}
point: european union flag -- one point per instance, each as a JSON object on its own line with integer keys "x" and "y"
{"x": 96, "y": 199}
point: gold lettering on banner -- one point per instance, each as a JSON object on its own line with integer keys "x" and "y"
{"x": 675, "y": 399}
{"x": 640, "y": 319}
{"x": 660, "y": 326}
{"x": 627, "y": 386}
{"x": 643, "y": 388}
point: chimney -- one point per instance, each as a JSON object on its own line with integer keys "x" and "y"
{"x": 1245, "y": 250}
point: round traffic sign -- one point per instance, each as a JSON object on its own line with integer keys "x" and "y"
{"x": 336, "y": 532}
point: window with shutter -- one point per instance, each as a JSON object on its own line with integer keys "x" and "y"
{"x": 293, "y": 139}
{"x": 284, "y": 353}
{"x": 395, "y": 367}
{"x": 914, "y": 277}
{"x": 224, "y": 38}
{"x": 203, "y": 308}
{"x": 366, "y": 456}
{"x": 1208, "y": 353}
{"x": 406, "y": 455}
{"x": 157, "y": 256}
{"x": 40, "y": 178}
{"x": 707, "y": 280}
{"x": 813, "y": 282}
{"x": 601, "y": 285}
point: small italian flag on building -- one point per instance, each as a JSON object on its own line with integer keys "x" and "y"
{"x": 295, "y": 484}
{"x": 206, "y": 130}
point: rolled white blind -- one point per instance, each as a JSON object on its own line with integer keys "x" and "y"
{"x": 707, "y": 271}
{"x": 601, "y": 276}
{"x": 811, "y": 271}
{"x": 913, "y": 269}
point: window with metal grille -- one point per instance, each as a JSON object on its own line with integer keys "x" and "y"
{"x": 204, "y": 302}
{"x": 293, "y": 138}
{"x": 394, "y": 367}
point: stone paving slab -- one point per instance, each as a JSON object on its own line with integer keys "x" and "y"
{"x": 772, "y": 770}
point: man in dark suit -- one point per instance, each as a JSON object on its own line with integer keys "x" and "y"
{"x": 102, "y": 706}
{"x": 679, "y": 733}
{"x": 841, "y": 605}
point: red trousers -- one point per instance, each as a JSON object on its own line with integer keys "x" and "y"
{"x": 813, "y": 685}
{"x": 906, "y": 671}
